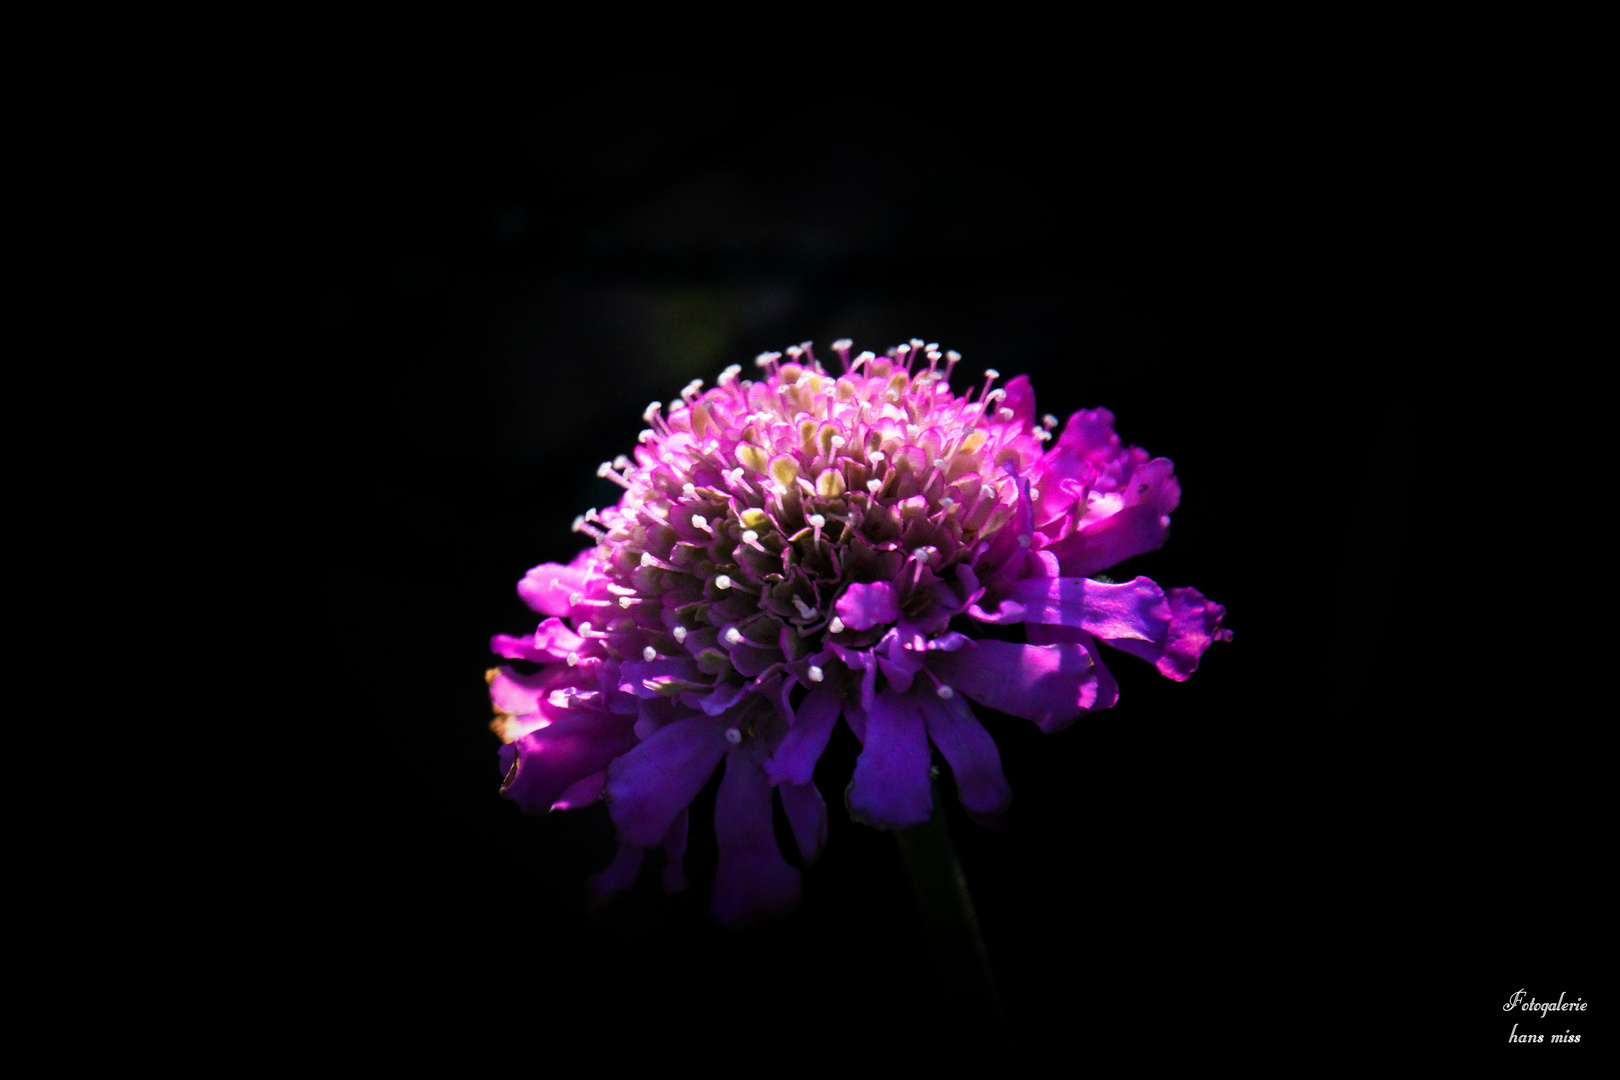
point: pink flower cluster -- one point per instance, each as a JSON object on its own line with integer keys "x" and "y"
{"x": 808, "y": 547}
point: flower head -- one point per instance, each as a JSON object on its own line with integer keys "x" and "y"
{"x": 807, "y": 547}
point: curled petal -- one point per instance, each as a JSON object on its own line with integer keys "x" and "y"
{"x": 1195, "y": 624}
{"x": 1133, "y": 609}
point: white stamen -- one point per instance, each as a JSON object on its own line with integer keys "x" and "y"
{"x": 722, "y": 581}
{"x": 648, "y": 559}
{"x": 734, "y": 636}
{"x": 944, "y": 692}
{"x": 680, "y": 634}
{"x": 626, "y": 601}
{"x": 1049, "y": 421}
{"x": 573, "y": 659}
{"x": 991, "y": 373}
{"x": 649, "y": 654}
{"x": 688, "y": 490}
{"x": 651, "y": 411}
{"x": 1004, "y": 414}
{"x": 701, "y": 522}
{"x": 836, "y": 626}
{"x": 731, "y": 372}
{"x": 941, "y": 463}
{"x": 733, "y": 736}
{"x": 816, "y": 674}
{"x": 838, "y": 442}
{"x": 646, "y": 435}
{"x": 876, "y": 456}
{"x": 584, "y": 629}
{"x": 873, "y": 485}
{"x": 805, "y": 610}
{"x": 817, "y": 520}
{"x": 842, "y": 343}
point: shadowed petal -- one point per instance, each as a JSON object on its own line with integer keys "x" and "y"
{"x": 753, "y": 881}
{"x": 865, "y": 606}
{"x": 972, "y": 755}
{"x": 807, "y": 814}
{"x": 654, "y": 782}
{"x": 890, "y": 788}
{"x": 796, "y": 755}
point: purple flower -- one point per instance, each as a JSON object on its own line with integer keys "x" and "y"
{"x": 809, "y": 547}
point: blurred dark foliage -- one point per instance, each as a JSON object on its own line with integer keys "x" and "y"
{"x": 501, "y": 285}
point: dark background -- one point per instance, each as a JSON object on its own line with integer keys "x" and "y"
{"x": 501, "y": 285}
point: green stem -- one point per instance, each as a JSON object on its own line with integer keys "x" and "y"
{"x": 948, "y": 918}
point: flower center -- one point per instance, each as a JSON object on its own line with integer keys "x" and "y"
{"x": 751, "y": 508}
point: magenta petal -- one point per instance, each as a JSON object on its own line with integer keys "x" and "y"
{"x": 971, "y": 752}
{"x": 753, "y": 881}
{"x": 1195, "y": 625}
{"x": 1049, "y": 684}
{"x": 865, "y": 606}
{"x": 1140, "y": 525}
{"x": 807, "y": 816}
{"x": 515, "y": 648}
{"x": 547, "y": 588}
{"x": 796, "y": 755}
{"x": 654, "y": 782}
{"x": 1104, "y": 693}
{"x": 890, "y": 789}
{"x": 1132, "y": 609}
{"x": 546, "y": 763}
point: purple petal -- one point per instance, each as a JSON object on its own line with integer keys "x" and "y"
{"x": 865, "y": 606}
{"x": 654, "y": 782}
{"x": 619, "y": 875}
{"x": 675, "y": 854}
{"x": 796, "y": 755}
{"x": 807, "y": 815}
{"x": 1049, "y": 684}
{"x": 1195, "y": 624}
{"x": 1132, "y": 609}
{"x": 971, "y": 752}
{"x": 890, "y": 788}
{"x": 753, "y": 881}
{"x": 544, "y": 764}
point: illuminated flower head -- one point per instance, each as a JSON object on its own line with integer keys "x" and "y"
{"x": 807, "y": 547}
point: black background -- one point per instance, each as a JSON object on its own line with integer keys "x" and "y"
{"x": 500, "y": 285}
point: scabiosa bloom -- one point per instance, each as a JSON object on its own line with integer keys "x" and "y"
{"x": 809, "y": 547}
